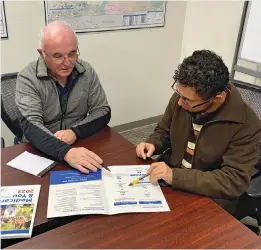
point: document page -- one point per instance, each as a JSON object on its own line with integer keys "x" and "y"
{"x": 73, "y": 193}
{"x": 141, "y": 197}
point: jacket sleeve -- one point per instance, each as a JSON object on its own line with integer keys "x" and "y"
{"x": 160, "y": 138}
{"x": 233, "y": 178}
{"x": 30, "y": 106}
{"x": 99, "y": 112}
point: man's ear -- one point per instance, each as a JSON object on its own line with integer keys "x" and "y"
{"x": 40, "y": 51}
{"x": 218, "y": 97}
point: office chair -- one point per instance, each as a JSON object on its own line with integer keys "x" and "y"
{"x": 250, "y": 202}
{"x": 9, "y": 111}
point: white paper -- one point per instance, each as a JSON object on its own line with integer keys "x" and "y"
{"x": 76, "y": 198}
{"x": 141, "y": 197}
{"x": 30, "y": 163}
{"x": 72, "y": 192}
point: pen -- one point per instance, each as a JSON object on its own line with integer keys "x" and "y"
{"x": 105, "y": 167}
{"x": 163, "y": 154}
{"x": 146, "y": 175}
{"x": 138, "y": 179}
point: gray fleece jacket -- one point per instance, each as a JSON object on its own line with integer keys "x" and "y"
{"x": 84, "y": 107}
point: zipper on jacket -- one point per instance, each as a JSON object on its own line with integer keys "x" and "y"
{"x": 58, "y": 93}
{"x": 61, "y": 122}
{"x": 64, "y": 113}
{"x": 67, "y": 97}
{"x": 207, "y": 123}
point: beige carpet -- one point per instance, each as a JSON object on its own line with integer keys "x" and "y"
{"x": 139, "y": 134}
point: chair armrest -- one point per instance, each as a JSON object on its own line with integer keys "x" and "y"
{"x": 254, "y": 189}
{"x": 2, "y": 142}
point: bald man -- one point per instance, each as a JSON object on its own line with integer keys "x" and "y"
{"x": 61, "y": 99}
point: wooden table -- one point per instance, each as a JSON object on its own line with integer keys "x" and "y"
{"x": 110, "y": 146}
{"x": 193, "y": 222}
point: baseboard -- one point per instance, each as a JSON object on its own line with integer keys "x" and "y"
{"x": 136, "y": 124}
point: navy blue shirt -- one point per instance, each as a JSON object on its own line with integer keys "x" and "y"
{"x": 64, "y": 91}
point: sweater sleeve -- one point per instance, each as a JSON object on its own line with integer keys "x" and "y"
{"x": 233, "y": 178}
{"x": 30, "y": 106}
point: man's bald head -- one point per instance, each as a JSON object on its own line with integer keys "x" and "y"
{"x": 59, "y": 49}
{"x": 56, "y": 32}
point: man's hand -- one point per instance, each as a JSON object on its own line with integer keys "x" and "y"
{"x": 83, "y": 159}
{"x": 67, "y": 136}
{"x": 160, "y": 170}
{"x": 142, "y": 148}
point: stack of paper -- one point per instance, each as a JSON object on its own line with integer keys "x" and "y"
{"x": 32, "y": 164}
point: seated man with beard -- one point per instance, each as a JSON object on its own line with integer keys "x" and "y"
{"x": 213, "y": 134}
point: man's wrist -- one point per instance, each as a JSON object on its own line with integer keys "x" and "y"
{"x": 169, "y": 178}
{"x": 67, "y": 155}
{"x": 74, "y": 132}
{"x": 63, "y": 151}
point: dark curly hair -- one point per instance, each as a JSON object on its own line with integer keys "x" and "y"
{"x": 205, "y": 71}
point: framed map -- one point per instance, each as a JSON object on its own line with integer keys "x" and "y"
{"x": 3, "y": 21}
{"x": 86, "y": 16}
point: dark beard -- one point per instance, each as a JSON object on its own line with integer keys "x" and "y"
{"x": 200, "y": 114}
{"x": 203, "y": 115}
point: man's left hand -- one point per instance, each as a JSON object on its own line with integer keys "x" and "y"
{"x": 160, "y": 170}
{"x": 67, "y": 136}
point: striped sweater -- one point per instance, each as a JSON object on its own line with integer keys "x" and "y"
{"x": 193, "y": 135}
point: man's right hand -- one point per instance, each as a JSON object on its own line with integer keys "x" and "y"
{"x": 144, "y": 150}
{"x": 83, "y": 159}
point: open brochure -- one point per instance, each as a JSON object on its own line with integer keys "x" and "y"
{"x": 18, "y": 208}
{"x": 103, "y": 192}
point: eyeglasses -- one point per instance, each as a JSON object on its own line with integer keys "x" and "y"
{"x": 60, "y": 58}
{"x": 184, "y": 99}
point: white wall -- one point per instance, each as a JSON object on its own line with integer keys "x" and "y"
{"x": 212, "y": 25}
{"x": 134, "y": 66}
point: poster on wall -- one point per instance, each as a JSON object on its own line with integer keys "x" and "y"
{"x": 3, "y": 21}
{"x": 86, "y": 16}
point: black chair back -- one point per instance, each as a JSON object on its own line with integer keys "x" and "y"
{"x": 249, "y": 203}
{"x": 251, "y": 94}
{"x": 9, "y": 111}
